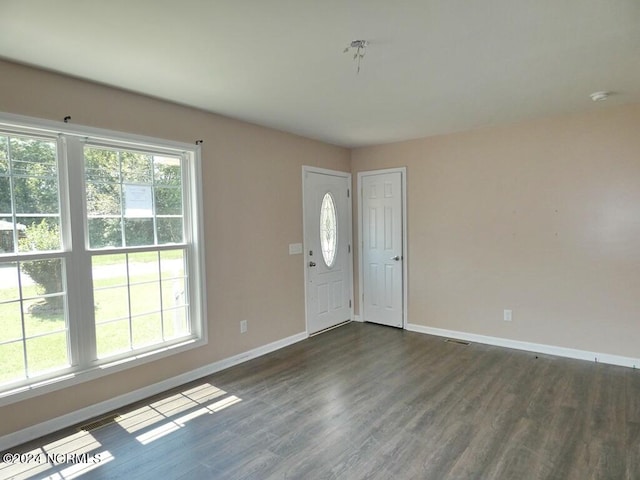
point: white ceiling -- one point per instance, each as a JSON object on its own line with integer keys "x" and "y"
{"x": 432, "y": 66}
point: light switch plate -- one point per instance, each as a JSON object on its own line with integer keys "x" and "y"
{"x": 295, "y": 248}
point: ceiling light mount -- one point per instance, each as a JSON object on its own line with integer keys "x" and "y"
{"x": 599, "y": 96}
{"x": 359, "y": 47}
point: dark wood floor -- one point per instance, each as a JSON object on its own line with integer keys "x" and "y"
{"x": 365, "y": 401}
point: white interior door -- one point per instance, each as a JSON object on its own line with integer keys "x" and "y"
{"x": 327, "y": 248}
{"x": 382, "y": 279}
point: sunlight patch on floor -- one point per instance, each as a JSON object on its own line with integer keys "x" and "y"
{"x": 180, "y": 422}
{"x": 79, "y": 469}
{"x": 77, "y": 453}
{"x": 160, "y": 410}
{"x": 75, "y": 450}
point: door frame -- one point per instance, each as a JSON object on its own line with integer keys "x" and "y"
{"x": 405, "y": 250}
{"x": 337, "y": 173}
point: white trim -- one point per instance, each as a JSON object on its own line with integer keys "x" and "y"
{"x": 58, "y": 423}
{"x": 405, "y": 244}
{"x": 529, "y": 346}
{"x": 49, "y": 127}
{"x": 81, "y": 335}
{"x": 196, "y": 229}
{"x": 69, "y": 377}
{"x": 357, "y": 318}
{"x": 337, "y": 173}
{"x": 325, "y": 171}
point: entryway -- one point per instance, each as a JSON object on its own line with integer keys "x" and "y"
{"x": 327, "y": 248}
{"x": 382, "y": 249}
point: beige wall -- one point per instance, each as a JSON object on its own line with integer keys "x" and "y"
{"x": 542, "y": 218}
{"x": 252, "y": 210}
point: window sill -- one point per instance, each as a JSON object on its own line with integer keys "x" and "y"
{"x": 69, "y": 379}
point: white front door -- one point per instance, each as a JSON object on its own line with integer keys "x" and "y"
{"x": 327, "y": 248}
{"x": 382, "y": 251}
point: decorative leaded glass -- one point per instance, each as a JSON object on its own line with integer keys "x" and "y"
{"x": 328, "y": 230}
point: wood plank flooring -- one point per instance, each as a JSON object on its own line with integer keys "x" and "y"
{"x": 366, "y": 401}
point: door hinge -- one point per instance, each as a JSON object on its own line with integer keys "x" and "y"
{"x": 348, "y": 248}
{"x": 349, "y": 303}
{"x": 348, "y": 192}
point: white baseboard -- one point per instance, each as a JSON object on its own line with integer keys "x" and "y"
{"x": 58, "y": 423}
{"x": 528, "y": 346}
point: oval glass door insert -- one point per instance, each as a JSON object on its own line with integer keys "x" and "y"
{"x": 328, "y": 230}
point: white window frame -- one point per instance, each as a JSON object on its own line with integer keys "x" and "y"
{"x": 77, "y": 255}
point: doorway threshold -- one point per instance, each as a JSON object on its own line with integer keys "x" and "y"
{"x": 329, "y": 328}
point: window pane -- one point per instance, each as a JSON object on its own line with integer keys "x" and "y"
{"x": 33, "y": 157}
{"x": 169, "y": 230}
{"x": 143, "y": 267}
{"x": 110, "y": 282}
{"x": 138, "y": 201}
{"x": 167, "y": 171}
{"x": 145, "y": 298}
{"x": 328, "y": 229}
{"x": 172, "y": 263}
{"x": 5, "y": 197}
{"x": 138, "y": 231}
{"x": 6, "y": 240}
{"x": 173, "y": 293}
{"x": 136, "y": 167}
{"x": 9, "y": 282}
{"x": 38, "y": 234}
{"x": 105, "y": 232}
{"x": 35, "y": 195}
{"x": 142, "y": 293}
{"x": 39, "y": 320}
{"x": 47, "y": 275}
{"x": 144, "y": 278}
{"x": 112, "y": 338}
{"x": 174, "y": 285}
{"x": 44, "y": 315}
{"x": 111, "y": 303}
{"x": 4, "y": 156}
{"x": 101, "y": 165}
{"x": 175, "y": 323}
{"x": 168, "y": 201}
{"x": 11, "y": 362}
{"x": 7, "y": 244}
{"x": 103, "y": 199}
{"x": 109, "y": 270}
{"x": 147, "y": 330}
{"x": 10, "y": 322}
{"x": 47, "y": 352}
{"x": 148, "y": 194}
{"x": 103, "y": 196}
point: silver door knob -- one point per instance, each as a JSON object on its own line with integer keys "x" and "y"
{"x": 396, "y": 258}
{"x": 312, "y": 264}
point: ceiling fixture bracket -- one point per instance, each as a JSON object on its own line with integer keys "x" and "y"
{"x": 359, "y": 47}
{"x": 599, "y": 96}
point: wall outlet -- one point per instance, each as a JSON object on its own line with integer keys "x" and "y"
{"x": 507, "y": 315}
{"x": 243, "y": 326}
